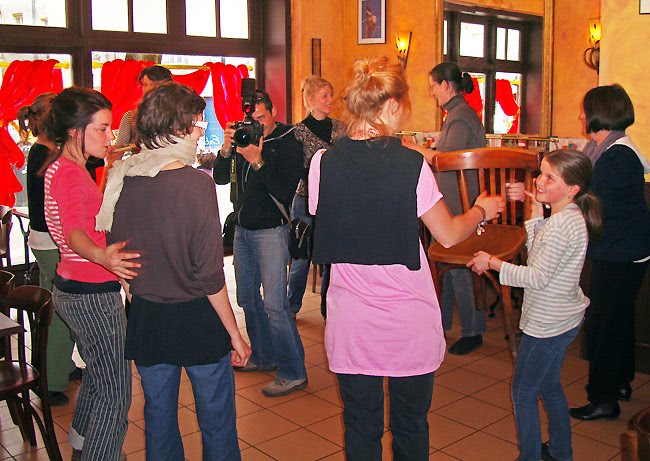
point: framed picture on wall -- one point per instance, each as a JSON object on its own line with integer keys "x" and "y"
{"x": 644, "y": 6}
{"x": 372, "y": 21}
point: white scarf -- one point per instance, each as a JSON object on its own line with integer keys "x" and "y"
{"x": 148, "y": 162}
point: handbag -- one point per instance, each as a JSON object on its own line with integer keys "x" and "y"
{"x": 228, "y": 232}
{"x": 300, "y": 235}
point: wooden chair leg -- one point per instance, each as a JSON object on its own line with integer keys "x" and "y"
{"x": 28, "y": 419}
{"x": 46, "y": 426}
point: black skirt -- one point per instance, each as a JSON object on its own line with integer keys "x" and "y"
{"x": 186, "y": 333}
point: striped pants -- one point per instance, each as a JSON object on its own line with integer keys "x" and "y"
{"x": 98, "y": 326}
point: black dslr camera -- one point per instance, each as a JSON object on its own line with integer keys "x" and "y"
{"x": 248, "y": 131}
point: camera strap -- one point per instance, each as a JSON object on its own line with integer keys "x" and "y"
{"x": 234, "y": 192}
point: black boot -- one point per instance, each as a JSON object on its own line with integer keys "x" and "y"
{"x": 593, "y": 411}
{"x": 466, "y": 344}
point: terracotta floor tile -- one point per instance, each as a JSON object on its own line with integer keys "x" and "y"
{"x": 263, "y": 426}
{"x": 298, "y": 445}
{"x": 251, "y": 378}
{"x": 574, "y": 368}
{"x": 441, "y": 456}
{"x": 253, "y": 454}
{"x": 306, "y": 410}
{"x": 331, "y": 394}
{"x": 443, "y": 396}
{"x": 642, "y": 392}
{"x": 585, "y": 448}
{"x": 320, "y": 378}
{"x": 136, "y": 412}
{"x": 185, "y": 394}
{"x": 254, "y": 394}
{"x": 492, "y": 367}
{"x": 330, "y": 429}
{"x": 444, "y": 431}
{"x": 465, "y": 381}
{"x": 316, "y": 354}
{"x": 134, "y": 439}
{"x": 482, "y": 447}
{"x": 631, "y": 408}
{"x": 338, "y": 456}
{"x": 473, "y": 413}
{"x": 498, "y": 394}
{"x": 604, "y": 431}
{"x": 245, "y": 406}
{"x": 314, "y": 333}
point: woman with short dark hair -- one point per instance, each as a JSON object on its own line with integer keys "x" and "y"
{"x": 620, "y": 258}
{"x": 180, "y": 315}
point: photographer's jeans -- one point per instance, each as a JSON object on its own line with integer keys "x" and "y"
{"x": 299, "y": 267}
{"x": 537, "y": 372}
{"x": 261, "y": 258}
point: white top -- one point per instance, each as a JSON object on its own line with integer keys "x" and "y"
{"x": 553, "y": 301}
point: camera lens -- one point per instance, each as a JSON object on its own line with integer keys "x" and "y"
{"x": 243, "y": 136}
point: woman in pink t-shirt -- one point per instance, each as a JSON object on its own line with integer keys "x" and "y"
{"x": 367, "y": 193}
{"x": 86, "y": 288}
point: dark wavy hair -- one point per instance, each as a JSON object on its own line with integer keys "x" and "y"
{"x": 155, "y": 74}
{"x": 450, "y": 73}
{"x": 32, "y": 118}
{"x": 607, "y": 108}
{"x": 166, "y": 111}
{"x": 73, "y": 108}
{"x": 575, "y": 169}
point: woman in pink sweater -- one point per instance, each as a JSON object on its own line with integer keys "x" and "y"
{"x": 86, "y": 288}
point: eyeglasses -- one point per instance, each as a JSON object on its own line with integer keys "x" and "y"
{"x": 203, "y": 124}
{"x": 433, "y": 85}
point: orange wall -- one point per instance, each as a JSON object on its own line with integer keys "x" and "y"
{"x": 624, "y": 60}
{"x": 335, "y": 22}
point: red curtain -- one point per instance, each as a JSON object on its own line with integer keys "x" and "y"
{"x": 121, "y": 86}
{"x": 226, "y": 88}
{"x": 506, "y": 100}
{"x": 195, "y": 80}
{"x": 22, "y": 83}
{"x": 474, "y": 99}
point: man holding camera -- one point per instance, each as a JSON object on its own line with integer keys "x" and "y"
{"x": 259, "y": 173}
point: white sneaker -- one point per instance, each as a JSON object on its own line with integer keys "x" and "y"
{"x": 281, "y": 387}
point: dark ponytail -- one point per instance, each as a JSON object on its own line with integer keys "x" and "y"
{"x": 575, "y": 169}
{"x": 450, "y": 73}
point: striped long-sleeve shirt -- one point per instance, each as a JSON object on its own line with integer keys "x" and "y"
{"x": 553, "y": 300}
{"x": 72, "y": 200}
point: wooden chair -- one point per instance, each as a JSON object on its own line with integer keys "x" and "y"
{"x": 636, "y": 440}
{"x": 33, "y": 307}
{"x": 6, "y": 285}
{"x": 5, "y": 230}
{"x": 503, "y": 237}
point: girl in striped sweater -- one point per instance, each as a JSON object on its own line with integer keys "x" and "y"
{"x": 554, "y": 305}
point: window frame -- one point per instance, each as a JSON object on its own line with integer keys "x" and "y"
{"x": 489, "y": 65}
{"x": 79, "y": 40}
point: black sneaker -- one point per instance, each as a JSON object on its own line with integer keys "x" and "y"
{"x": 58, "y": 399}
{"x": 76, "y": 374}
{"x": 466, "y": 344}
{"x": 546, "y": 453}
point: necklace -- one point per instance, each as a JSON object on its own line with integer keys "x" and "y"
{"x": 365, "y": 133}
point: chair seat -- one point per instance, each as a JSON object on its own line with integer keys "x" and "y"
{"x": 14, "y": 377}
{"x": 501, "y": 240}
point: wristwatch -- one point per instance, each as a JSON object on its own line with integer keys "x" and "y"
{"x": 258, "y": 164}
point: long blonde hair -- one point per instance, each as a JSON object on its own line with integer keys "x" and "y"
{"x": 375, "y": 82}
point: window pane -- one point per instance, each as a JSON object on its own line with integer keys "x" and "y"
{"x": 479, "y": 92}
{"x": 200, "y": 18}
{"x": 233, "y": 18}
{"x": 513, "y": 45}
{"x": 111, "y": 15}
{"x": 501, "y": 43}
{"x": 444, "y": 37}
{"x": 503, "y": 122}
{"x": 50, "y": 13}
{"x": 150, "y": 16}
{"x": 472, "y": 37}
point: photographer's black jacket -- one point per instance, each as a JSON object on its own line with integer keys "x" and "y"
{"x": 283, "y": 166}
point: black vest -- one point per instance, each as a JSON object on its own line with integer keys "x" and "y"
{"x": 367, "y": 204}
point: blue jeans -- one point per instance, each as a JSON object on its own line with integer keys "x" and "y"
{"x": 537, "y": 371}
{"x": 213, "y": 386}
{"x": 363, "y": 415}
{"x": 261, "y": 258}
{"x": 299, "y": 267}
{"x": 457, "y": 286}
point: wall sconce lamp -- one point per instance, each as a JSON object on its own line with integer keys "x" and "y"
{"x": 591, "y": 55}
{"x": 403, "y": 42}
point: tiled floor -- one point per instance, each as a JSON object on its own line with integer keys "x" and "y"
{"x": 471, "y": 414}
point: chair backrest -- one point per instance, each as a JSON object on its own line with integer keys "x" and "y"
{"x": 496, "y": 166}
{"x": 6, "y": 285}
{"x": 33, "y": 304}
{"x": 5, "y": 230}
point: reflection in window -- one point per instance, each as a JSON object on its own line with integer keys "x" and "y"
{"x": 233, "y": 18}
{"x": 47, "y": 13}
{"x": 203, "y": 24}
{"x": 506, "y": 105}
{"x": 472, "y": 39}
{"x": 111, "y": 15}
{"x": 150, "y": 16}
